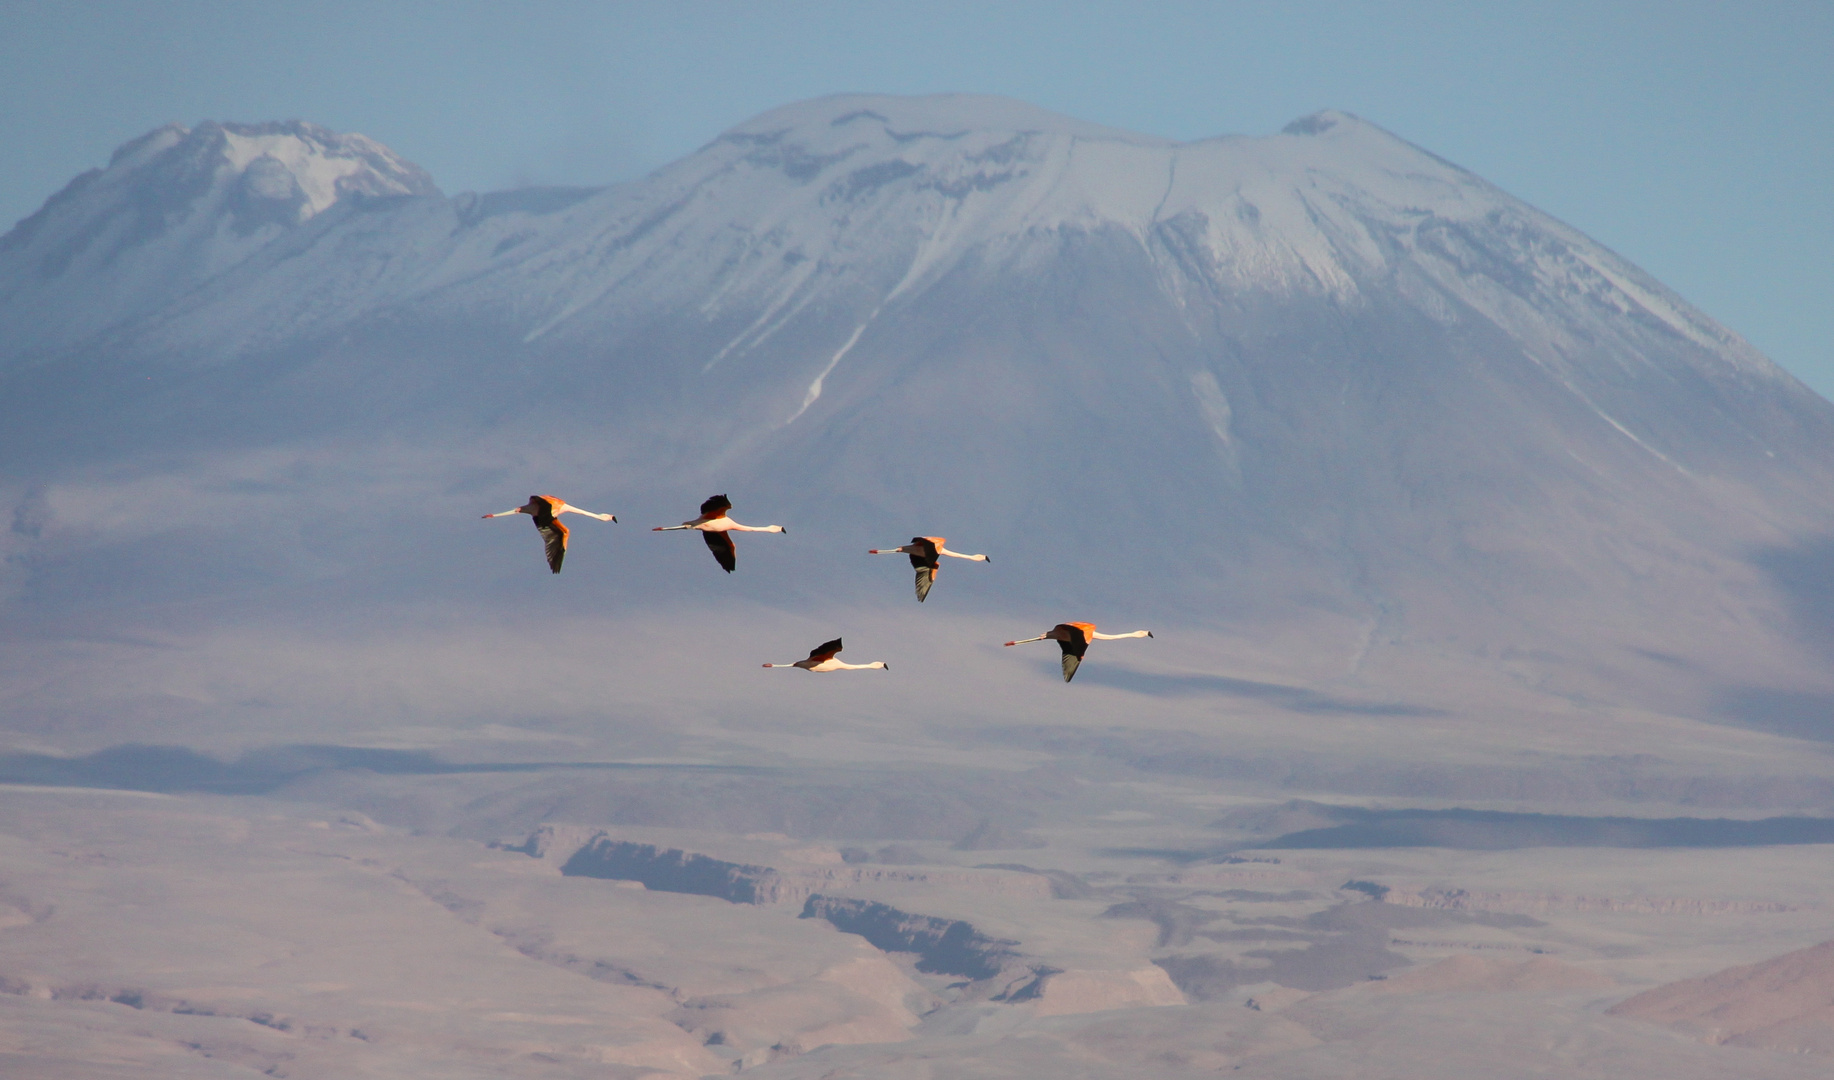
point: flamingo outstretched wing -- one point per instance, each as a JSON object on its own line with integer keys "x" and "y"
{"x": 924, "y": 560}
{"x": 926, "y": 577}
{"x": 723, "y": 552}
{"x": 716, "y": 506}
{"x": 825, "y": 651}
{"x": 554, "y": 541}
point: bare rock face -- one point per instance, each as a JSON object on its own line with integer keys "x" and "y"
{"x": 943, "y": 946}
{"x": 1785, "y": 1003}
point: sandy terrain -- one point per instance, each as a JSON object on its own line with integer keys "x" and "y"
{"x": 1785, "y": 1003}
{"x": 216, "y": 936}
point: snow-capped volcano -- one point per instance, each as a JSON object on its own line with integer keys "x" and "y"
{"x": 173, "y": 209}
{"x": 1321, "y": 370}
{"x": 855, "y": 204}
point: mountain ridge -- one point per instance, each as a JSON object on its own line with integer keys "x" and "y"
{"x": 1241, "y": 378}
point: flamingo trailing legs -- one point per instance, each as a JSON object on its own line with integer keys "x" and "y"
{"x": 1074, "y": 639}
{"x": 926, "y": 553}
{"x": 546, "y": 510}
{"x": 713, "y": 526}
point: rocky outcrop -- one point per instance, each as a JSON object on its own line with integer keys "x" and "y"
{"x": 672, "y": 870}
{"x": 943, "y": 946}
{"x": 587, "y": 852}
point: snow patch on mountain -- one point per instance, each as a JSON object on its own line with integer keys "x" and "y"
{"x": 860, "y": 201}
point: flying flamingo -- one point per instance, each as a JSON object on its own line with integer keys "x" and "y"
{"x": 1074, "y": 638}
{"x": 821, "y": 658}
{"x": 713, "y": 525}
{"x": 546, "y": 510}
{"x": 924, "y": 552}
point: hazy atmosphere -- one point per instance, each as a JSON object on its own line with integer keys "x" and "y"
{"x": 1355, "y": 487}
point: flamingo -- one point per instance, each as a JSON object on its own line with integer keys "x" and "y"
{"x": 821, "y": 658}
{"x": 924, "y": 552}
{"x": 713, "y": 525}
{"x": 546, "y": 510}
{"x": 1074, "y": 639}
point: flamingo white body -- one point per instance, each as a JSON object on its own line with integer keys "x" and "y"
{"x": 713, "y": 525}
{"x": 546, "y": 510}
{"x": 823, "y": 658}
{"x": 926, "y": 556}
{"x": 1073, "y": 639}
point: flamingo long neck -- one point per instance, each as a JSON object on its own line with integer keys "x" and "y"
{"x": 958, "y": 555}
{"x": 1117, "y": 637}
{"x": 733, "y": 526}
{"x": 569, "y": 508}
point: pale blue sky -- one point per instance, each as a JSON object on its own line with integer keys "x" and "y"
{"x": 1696, "y": 139}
